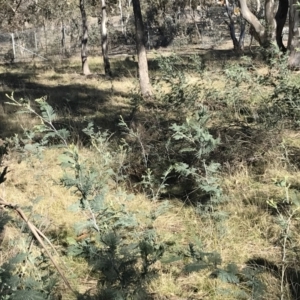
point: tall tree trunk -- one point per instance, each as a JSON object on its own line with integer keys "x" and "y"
{"x": 121, "y": 15}
{"x": 196, "y": 26}
{"x": 104, "y": 39}
{"x": 259, "y": 29}
{"x": 294, "y": 35}
{"x": 270, "y": 22}
{"x": 263, "y": 34}
{"x": 141, "y": 50}
{"x": 84, "y": 39}
{"x": 280, "y": 18}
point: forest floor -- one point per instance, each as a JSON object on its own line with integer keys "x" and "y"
{"x": 259, "y": 166}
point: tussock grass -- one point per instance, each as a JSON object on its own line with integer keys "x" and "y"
{"x": 251, "y": 230}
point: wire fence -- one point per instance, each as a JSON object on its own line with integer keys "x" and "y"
{"x": 64, "y": 41}
{"x": 45, "y": 44}
{"x": 41, "y": 43}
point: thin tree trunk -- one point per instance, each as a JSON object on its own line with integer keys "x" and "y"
{"x": 196, "y": 26}
{"x": 84, "y": 39}
{"x": 104, "y": 39}
{"x": 238, "y": 44}
{"x": 121, "y": 15}
{"x": 127, "y": 18}
{"x": 280, "y": 18}
{"x": 141, "y": 50}
{"x": 294, "y": 35}
{"x": 231, "y": 27}
{"x": 242, "y": 33}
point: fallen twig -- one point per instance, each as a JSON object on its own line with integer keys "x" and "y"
{"x": 37, "y": 234}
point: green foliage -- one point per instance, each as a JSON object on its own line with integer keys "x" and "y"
{"x": 281, "y": 108}
{"x": 193, "y": 138}
{"x": 250, "y": 280}
{"x": 91, "y": 184}
{"x": 195, "y": 135}
{"x": 247, "y": 278}
{"x": 47, "y": 117}
{"x": 229, "y": 274}
{"x": 26, "y": 276}
{"x": 177, "y": 161}
{"x": 124, "y": 265}
{"x": 41, "y": 135}
{"x": 237, "y": 73}
{"x": 182, "y": 94}
{"x": 174, "y": 155}
{"x": 202, "y": 260}
{"x": 126, "y": 269}
{"x": 287, "y": 212}
{"x": 285, "y": 102}
{"x": 118, "y": 252}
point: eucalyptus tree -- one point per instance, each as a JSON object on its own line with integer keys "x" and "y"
{"x": 294, "y": 34}
{"x": 14, "y": 14}
{"x": 274, "y": 24}
{"x": 84, "y": 39}
{"x": 125, "y": 14}
{"x": 104, "y": 38}
{"x": 141, "y": 50}
{"x": 280, "y": 18}
{"x": 264, "y": 34}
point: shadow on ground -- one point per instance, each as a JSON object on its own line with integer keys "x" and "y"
{"x": 73, "y": 102}
{"x": 291, "y": 277}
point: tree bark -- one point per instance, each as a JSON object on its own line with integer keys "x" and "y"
{"x": 294, "y": 35}
{"x": 270, "y": 22}
{"x": 238, "y": 44}
{"x": 259, "y": 29}
{"x": 280, "y": 18}
{"x": 258, "y": 4}
{"x": 242, "y": 34}
{"x": 263, "y": 34}
{"x": 128, "y": 9}
{"x": 84, "y": 39}
{"x": 104, "y": 39}
{"x": 121, "y": 15}
{"x": 231, "y": 26}
{"x": 141, "y": 50}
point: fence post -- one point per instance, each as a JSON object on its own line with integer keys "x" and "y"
{"x": 35, "y": 42}
{"x": 45, "y": 37}
{"x": 13, "y": 46}
{"x": 63, "y": 38}
{"x": 148, "y": 36}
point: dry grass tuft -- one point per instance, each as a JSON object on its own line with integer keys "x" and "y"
{"x": 252, "y": 165}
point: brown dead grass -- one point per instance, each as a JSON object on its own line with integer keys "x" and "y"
{"x": 250, "y": 231}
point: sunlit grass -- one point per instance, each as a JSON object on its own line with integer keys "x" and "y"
{"x": 250, "y": 230}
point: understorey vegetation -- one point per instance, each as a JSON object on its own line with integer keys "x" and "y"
{"x": 192, "y": 195}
